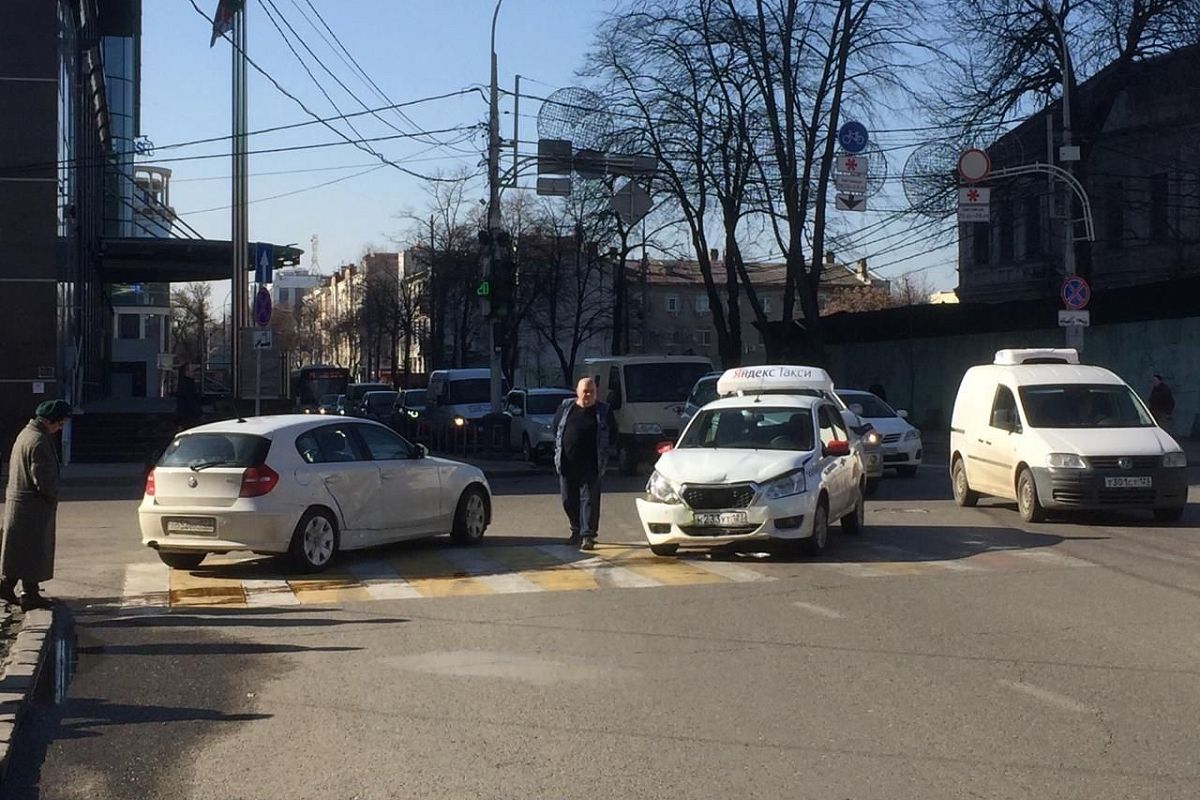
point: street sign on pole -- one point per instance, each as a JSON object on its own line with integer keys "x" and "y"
{"x": 1068, "y": 319}
{"x": 1075, "y": 293}
{"x": 554, "y": 187}
{"x": 850, "y": 174}
{"x": 630, "y": 203}
{"x": 974, "y": 204}
{"x": 264, "y": 262}
{"x": 263, "y": 339}
{"x": 262, "y": 307}
{"x": 850, "y": 202}
{"x": 974, "y": 165}
{"x": 852, "y": 136}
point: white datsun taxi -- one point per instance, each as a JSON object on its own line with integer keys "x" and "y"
{"x": 759, "y": 467}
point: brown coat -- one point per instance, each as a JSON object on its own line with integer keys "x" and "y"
{"x": 31, "y": 503}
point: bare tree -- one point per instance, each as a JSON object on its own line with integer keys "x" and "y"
{"x": 191, "y": 316}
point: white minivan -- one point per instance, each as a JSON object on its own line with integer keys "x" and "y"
{"x": 1038, "y": 427}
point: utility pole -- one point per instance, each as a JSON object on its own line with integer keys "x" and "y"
{"x": 239, "y": 239}
{"x": 1066, "y": 154}
{"x": 493, "y": 220}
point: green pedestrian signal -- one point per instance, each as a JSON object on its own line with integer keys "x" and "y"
{"x": 483, "y": 289}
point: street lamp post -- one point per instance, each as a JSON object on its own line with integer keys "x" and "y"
{"x": 493, "y": 217}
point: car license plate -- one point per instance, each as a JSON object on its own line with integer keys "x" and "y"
{"x": 722, "y": 519}
{"x": 192, "y": 526}
{"x": 890, "y": 451}
{"x": 1128, "y": 483}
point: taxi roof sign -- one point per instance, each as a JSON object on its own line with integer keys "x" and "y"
{"x": 1037, "y": 355}
{"x": 773, "y": 378}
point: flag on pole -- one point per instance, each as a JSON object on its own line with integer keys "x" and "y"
{"x": 223, "y": 19}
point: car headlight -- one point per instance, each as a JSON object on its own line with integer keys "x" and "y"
{"x": 1066, "y": 461}
{"x": 647, "y": 428}
{"x": 912, "y": 435}
{"x": 1177, "y": 459}
{"x": 459, "y": 422}
{"x": 872, "y": 438}
{"x": 660, "y": 490}
{"x": 786, "y": 485}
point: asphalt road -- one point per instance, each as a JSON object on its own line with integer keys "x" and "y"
{"x": 947, "y": 653}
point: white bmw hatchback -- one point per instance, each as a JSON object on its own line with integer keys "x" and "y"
{"x": 304, "y": 486}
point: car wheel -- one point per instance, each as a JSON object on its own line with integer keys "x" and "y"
{"x": 815, "y": 545}
{"x": 627, "y": 460}
{"x": 963, "y": 494}
{"x": 1168, "y": 514}
{"x": 315, "y": 542}
{"x": 854, "y": 522}
{"x": 470, "y": 519}
{"x": 1027, "y": 499}
{"x": 872, "y": 486}
{"x": 181, "y": 560}
{"x": 906, "y": 471}
{"x": 664, "y": 549}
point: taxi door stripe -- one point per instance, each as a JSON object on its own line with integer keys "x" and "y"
{"x": 146, "y": 586}
{"x": 497, "y": 577}
{"x": 381, "y": 581}
{"x": 269, "y": 592}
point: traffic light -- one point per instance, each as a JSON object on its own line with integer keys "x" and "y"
{"x": 499, "y": 279}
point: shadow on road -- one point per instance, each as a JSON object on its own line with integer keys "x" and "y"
{"x": 213, "y": 649}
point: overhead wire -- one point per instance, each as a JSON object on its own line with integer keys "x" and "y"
{"x": 367, "y": 171}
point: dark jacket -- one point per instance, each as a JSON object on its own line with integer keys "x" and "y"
{"x": 605, "y": 431}
{"x": 1161, "y": 400}
{"x": 31, "y": 503}
{"x": 187, "y": 400}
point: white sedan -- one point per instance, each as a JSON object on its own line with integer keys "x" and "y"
{"x": 901, "y": 441}
{"x": 304, "y": 486}
{"x": 770, "y": 469}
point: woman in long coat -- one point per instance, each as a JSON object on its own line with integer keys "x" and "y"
{"x": 30, "y": 507}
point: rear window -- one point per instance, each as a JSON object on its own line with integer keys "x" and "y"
{"x": 216, "y": 450}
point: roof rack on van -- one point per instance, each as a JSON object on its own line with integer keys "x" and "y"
{"x": 1037, "y": 355}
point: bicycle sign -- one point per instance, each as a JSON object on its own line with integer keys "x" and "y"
{"x": 853, "y": 137}
{"x": 1075, "y": 293}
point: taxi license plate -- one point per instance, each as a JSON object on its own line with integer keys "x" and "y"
{"x": 721, "y": 519}
{"x": 192, "y": 526}
{"x": 1128, "y": 483}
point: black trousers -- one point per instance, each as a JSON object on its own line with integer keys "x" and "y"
{"x": 580, "y": 493}
{"x": 30, "y": 587}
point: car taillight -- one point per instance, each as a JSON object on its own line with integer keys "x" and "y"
{"x": 150, "y": 483}
{"x": 257, "y": 481}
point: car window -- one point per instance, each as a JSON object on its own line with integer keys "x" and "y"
{"x": 1083, "y": 406}
{"x": 872, "y": 406}
{"x": 307, "y": 447}
{"x": 751, "y": 429}
{"x": 704, "y": 392}
{"x": 832, "y": 428}
{"x": 514, "y": 401}
{"x": 383, "y": 445}
{"x": 614, "y": 386}
{"x": 546, "y": 404}
{"x": 337, "y": 445}
{"x": 414, "y": 398}
{"x": 215, "y": 449}
{"x": 1004, "y": 409}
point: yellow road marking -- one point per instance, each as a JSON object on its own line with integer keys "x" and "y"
{"x": 543, "y": 569}
{"x": 188, "y": 589}
{"x": 329, "y": 589}
{"x": 433, "y": 576}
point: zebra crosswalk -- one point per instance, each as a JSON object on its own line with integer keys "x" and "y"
{"x": 436, "y": 572}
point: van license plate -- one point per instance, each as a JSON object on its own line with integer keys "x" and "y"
{"x": 722, "y": 519}
{"x": 1128, "y": 483}
{"x": 192, "y": 526}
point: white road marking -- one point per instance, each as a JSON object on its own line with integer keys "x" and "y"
{"x": 734, "y": 572}
{"x": 820, "y": 611}
{"x": 381, "y": 581}
{"x": 496, "y": 576}
{"x": 1051, "y": 557}
{"x": 146, "y": 586}
{"x": 603, "y": 571}
{"x": 1045, "y": 695}
{"x": 269, "y": 592}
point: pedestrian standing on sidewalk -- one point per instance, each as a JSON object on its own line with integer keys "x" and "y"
{"x": 188, "y": 402}
{"x": 31, "y": 504}
{"x": 1162, "y": 402}
{"x": 583, "y": 431}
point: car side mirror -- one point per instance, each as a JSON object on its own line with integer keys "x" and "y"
{"x": 838, "y": 447}
{"x": 421, "y": 451}
{"x": 901, "y": 413}
{"x": 516, "y": 411}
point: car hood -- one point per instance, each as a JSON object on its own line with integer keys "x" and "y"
{"x": 541, "y": 419}
{"x": 886, "y": 425}
{"x": 704, "y": 465}
{"x": 1109, "y": 441}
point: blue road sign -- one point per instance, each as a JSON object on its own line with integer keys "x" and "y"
{"x": 262, "y": 307}
{"x": 264, "y": 262}
{"x": 853, "y": 137}
{"x": 1075, "y": 293}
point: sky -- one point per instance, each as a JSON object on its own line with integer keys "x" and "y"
{"x": 411, "y": 50}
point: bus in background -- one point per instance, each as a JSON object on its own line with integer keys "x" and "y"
{"x": 312, "y": 382}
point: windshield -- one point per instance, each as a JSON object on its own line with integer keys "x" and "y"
{"x": 544, "y": 404}
{"x": 414, "y": 398}
{"x": 872, "y": 406}
{"x": 216, "y": 449}
{"x": 704, "y": 392}
{"x": 1078, "y": 405}
{"x": 381, "y": 400}
{"x": 662, "y": 383}
{"x": 328, "y": 399}
{"x": 751, "y": 429}
{"x": 472, "y": 390}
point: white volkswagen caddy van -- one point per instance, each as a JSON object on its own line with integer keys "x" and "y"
{"x": 1038, "y": 427}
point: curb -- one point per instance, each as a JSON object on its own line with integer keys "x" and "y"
{"x": 27, "y": 658}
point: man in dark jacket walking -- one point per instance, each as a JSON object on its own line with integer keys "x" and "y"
{"x": 1162, "y": 402}
{"x": 583, "y": 430}
{"x": 31, "y": 503}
